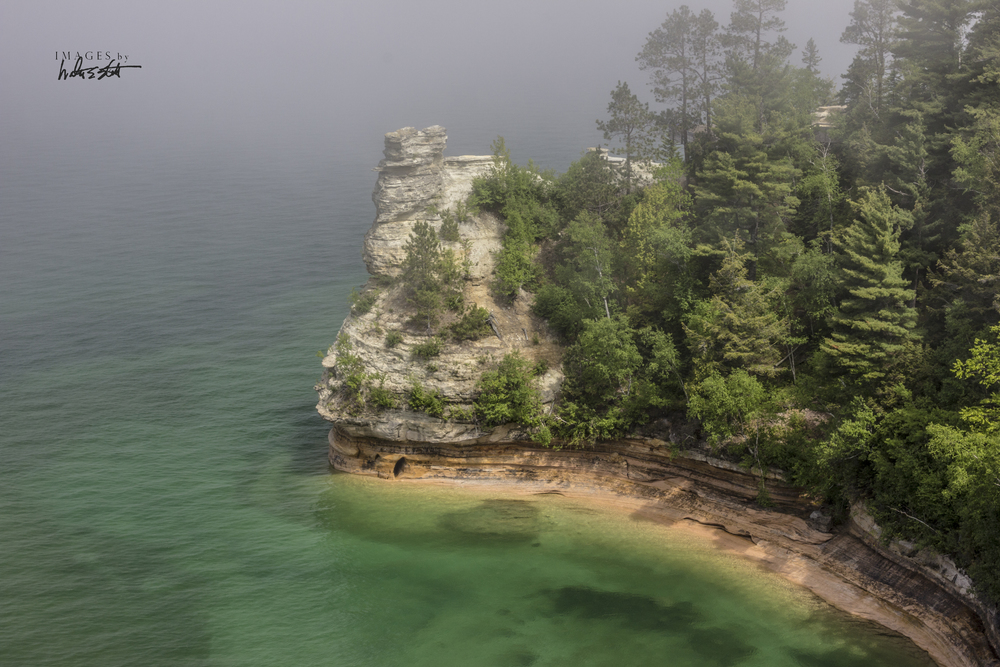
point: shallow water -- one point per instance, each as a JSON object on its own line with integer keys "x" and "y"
{"x": 164, "y": 493}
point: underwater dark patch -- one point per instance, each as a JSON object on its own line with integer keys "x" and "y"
{"x": 638, "y": 611}
{"x": 494, "y": 522}
{"x": 719, "y": 646}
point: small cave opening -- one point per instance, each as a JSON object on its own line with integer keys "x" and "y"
{"x": 400, "y": 467}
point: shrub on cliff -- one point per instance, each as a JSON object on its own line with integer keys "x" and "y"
{"x": 427, "y": 349}
{"x": 508, "y": 394}
{"x": 473, "y": 325}
{"x": 357, "y": 385}
{"x": 362, "y": 302}
{"x": 422, "y": 400}
{"x": 524, "y": 199}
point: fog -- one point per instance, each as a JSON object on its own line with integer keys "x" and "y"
{"x": 270, "y": 78}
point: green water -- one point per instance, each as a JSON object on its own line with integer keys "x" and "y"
{"x": 175, "y": 517}
{"x": 164, "y": 492}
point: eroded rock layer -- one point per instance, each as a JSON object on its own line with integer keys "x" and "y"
{"x": 845, "y": 567}
{"x": 923, "y": 597}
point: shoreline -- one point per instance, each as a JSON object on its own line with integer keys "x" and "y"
{"x": 791, "y": 567}
{"x": 846, "y": 568}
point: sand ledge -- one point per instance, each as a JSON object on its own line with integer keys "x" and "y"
{"x": 847, "y": 568}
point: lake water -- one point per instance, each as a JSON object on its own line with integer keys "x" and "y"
{"x": 164, "y": 493}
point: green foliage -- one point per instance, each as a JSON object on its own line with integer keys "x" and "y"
{"x": 728, "y": 406}
{"x": 559, "y": 306}
{"x": 379, "y": 396}
{"x": 657, "y": 248}
{"x": 508, "y": 394}
{"x": 873, "y": 328}
{"x": 457, "y": 414}
{"x": 357, "y": 385}
{"x": 515, "y": 267}
{"x": 522, "y": 196}
{"x": 473, "y": 325}
{"x": 590, "y": 252}
{"x": 422, "y": 400}
{"x": 431, "y": 275}
{"x": 350, "y": 368}
{"x": 743, "y": 192}
{"x": 631, "y": 123}
{"x": 972, "y": 463}
{"x": 449, "y": 228}
{"x": 430, "y": 348}
{"x": 740, "y": 326}
{"x": 362, "y": 302}
{"x": 984, "y": 366}
{"x": 683, "y": 56}
{"x": 873, "y": 28}
{"x": 588, "y": 185}
{"x": 393, "y": 338}
{"x": 454, "y": 302}
{"x": 603, "y": 363}
{"x": 607, "y": 390}
{"x": 424, "y": 288}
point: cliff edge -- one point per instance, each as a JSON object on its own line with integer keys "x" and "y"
{"x": 416, "y": 184}
{"x": 668, "y": 474}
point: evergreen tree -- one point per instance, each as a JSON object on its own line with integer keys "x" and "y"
{"x": 873, "y": 26}
{"x": 874, "y": 325}
{"x": 657, "y": 249}
{"x": 757, "y": 68}
{"x": 739, "y": 327}
{"x": 631, "y": 123}
{"x": 424, "y": 289}
{"x": 810, "y": 57}
{"x": 967, "y": 281}
{"x": 682, "y": 56}
{"x": 741, "y": 190}
{"x": 934, "y": 87}
{"x": 821, "y": 196}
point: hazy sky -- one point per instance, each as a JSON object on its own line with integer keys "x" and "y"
{"x": 314, "y": 74}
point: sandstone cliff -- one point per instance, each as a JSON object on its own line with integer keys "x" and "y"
{"x": 669, "y": 474}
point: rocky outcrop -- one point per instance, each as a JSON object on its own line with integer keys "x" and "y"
{"x": 414, "y": 176}
{"x": 668, "y": 474}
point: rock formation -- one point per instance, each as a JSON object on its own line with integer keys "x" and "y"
{"x": 413, "y": 177}
{"x": 668, "y": 473}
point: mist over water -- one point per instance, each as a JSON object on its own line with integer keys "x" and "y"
{"x": 176, "y": 245}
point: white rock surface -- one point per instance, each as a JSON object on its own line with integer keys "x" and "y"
{"x": 413, "y": 176}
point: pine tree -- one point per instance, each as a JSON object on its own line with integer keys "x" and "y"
{"x": 631, "y": 123}
{"x": 874, "y": 325}
{"x": 741, "y": 190}
{"x": 873, "y": 26}
{"x": 757, "y": 67}
{"x": 682, "y": 56}
{"x": 423, "y": 255}
{"x": 934, "y": 88}
{"x": 739, "y": 327}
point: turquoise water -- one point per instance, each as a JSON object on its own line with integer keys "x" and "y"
{"x": 164, "y": 493}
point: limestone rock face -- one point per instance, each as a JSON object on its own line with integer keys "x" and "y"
{"x": 413, "y": 176}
